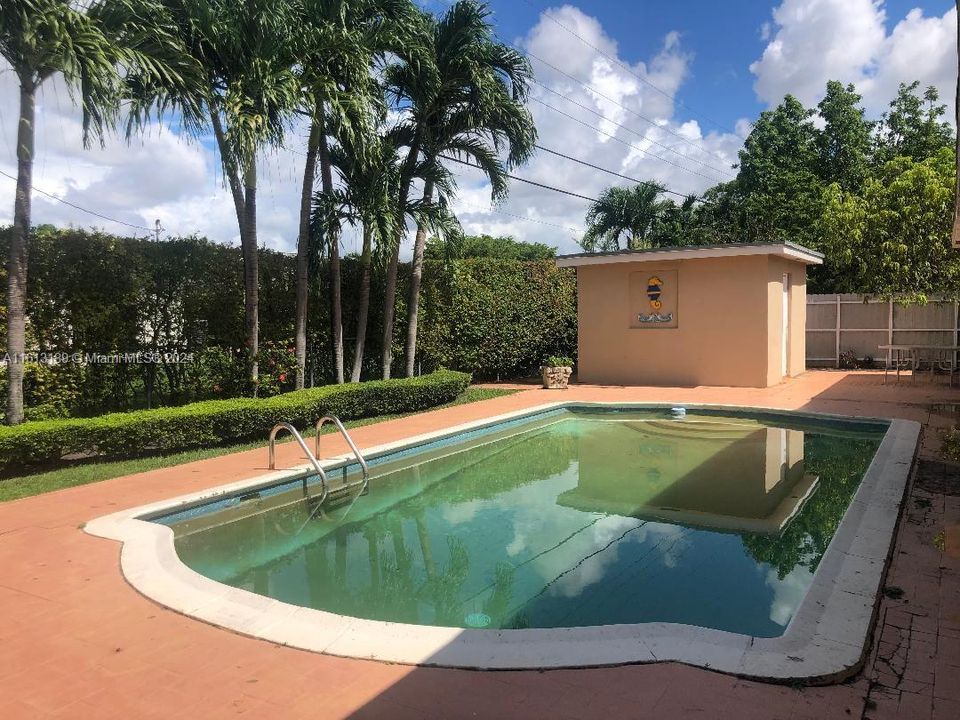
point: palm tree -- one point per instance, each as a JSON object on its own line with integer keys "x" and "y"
{"x": 344, "y": 41}
{"x": 369, "y": 176}
{"x": 369, "y": 170}
{"x": 88, "y": 48}
{"x": 252, "y": 93}
{"x": 245, "y": 54}
{"x": 620, "y": 211}
{"x": 467, "y": 105}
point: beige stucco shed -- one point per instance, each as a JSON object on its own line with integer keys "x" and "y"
{"x": 731, "y": 314}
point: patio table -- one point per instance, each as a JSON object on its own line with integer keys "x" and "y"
{"x": 910, "y": 355}
{"x": 902, "y": 356}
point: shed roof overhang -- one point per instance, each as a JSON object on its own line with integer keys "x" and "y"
{"x": 787, "y": 250}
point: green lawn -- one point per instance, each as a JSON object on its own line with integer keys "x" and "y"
{"x": 82, "y": 473}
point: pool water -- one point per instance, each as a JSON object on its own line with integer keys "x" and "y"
{"x": 572, "y": 518}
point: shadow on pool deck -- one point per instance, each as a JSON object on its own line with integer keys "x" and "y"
{"x": 76, "y": 641}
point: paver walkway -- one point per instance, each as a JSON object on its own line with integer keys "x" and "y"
{"x": 76, "y": 641}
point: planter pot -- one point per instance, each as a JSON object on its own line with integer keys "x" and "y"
{"x": 556, "y": 378}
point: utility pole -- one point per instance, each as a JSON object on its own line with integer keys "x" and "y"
{"x": 158, "y": 228}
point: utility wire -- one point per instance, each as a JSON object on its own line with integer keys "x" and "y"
{"x": 630, "y": 70}
{"x": 620, "y": 140}
{"x": 498, "y": 211}
{"x": 524, "y": 180}
{"x": 630, "y": 110}
{"x": 78, "y": 207}
{"x": 640, "y": 135}
{"x": 572, "y": 159}
{"x": 598, "y": 93}
{"x": 613, "y": 172}
{"x": 544, "y": 186}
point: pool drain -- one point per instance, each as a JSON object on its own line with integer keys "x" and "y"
{"x": 477, "y": 620}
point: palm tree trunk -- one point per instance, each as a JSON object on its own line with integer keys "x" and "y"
{"x": 389, "y": 300}
{"x": 415, "y": 277}
{"x": 333, "y": 243}
{"x": 17, "y": 260}
{"x": 251, "y": 266}
{"x": 390, "y": 290}
{"x": 364, "y": 310}
{"x": 245, "y": 204}
{"x": 303, "y": 254}
{"x": 229, "y": 168}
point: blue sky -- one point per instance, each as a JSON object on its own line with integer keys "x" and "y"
{"x": 724, "y": 38}
{"x": 718, "y": 62}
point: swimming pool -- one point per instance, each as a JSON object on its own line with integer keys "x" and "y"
{"x": 630, "y": 528}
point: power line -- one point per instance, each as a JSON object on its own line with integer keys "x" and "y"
{"x": 638, "y": 134}
{"x": 81, "y": 209}
{"x": 621, "y": 140}
{"x": 544, "y": 186}
{"x": 630, "y": 70}
{"x": 571, "y": 193}
{"x": 612, "y": 172}
{"x": 591, "y": 88}
{"x": 498, "y": 211}
{"x": 561, "y": 190}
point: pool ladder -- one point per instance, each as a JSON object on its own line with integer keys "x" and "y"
{"x": 364, "y": 483}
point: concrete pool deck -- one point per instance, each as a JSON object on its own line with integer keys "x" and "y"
{"x": 77, "y": 641}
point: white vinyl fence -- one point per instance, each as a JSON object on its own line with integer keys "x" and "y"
{"x": 840, "y": 323}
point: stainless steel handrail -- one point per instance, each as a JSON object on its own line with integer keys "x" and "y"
{"x": 303, "y": 446}
{"x": 346, "y": 436}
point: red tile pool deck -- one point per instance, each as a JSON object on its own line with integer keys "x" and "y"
{"x": 76, "y": 641}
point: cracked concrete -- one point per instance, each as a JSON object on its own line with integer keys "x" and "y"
{"x": 911, "y": 674}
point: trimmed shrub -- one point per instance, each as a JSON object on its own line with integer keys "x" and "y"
{"x": 497, "y": 318}
{"x": 215, "y": 422}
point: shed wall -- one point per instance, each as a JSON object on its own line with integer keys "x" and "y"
{"x": 721, "y": 335}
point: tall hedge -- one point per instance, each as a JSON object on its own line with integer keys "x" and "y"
{"x": 497, "y": 318}
{"x": 96, "y": 293}
{"x": 215, "y": 422}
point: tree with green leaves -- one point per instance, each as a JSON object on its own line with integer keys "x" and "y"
{"x": 894, "y": 238}
{"x": 369, "y": 176}
{"x": 845, "y": 143}
{"x": 464, "y": 100}
{"x": 89, "y": 48}
{"x": 628, "y": 214}
{"x": 676, "y": 223}
{"x": 914, "y": 125}
{"x": 778, "y": 180}
{"x": 955, "y": 234}
{"x": 720, "y": 217}
{"x": 487, "y": 246}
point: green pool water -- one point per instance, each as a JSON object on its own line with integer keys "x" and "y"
{"x": 570, "y": 519}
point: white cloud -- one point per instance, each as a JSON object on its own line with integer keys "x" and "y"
{"x": 814, "y": 41}
{"x": 787, "y": 593}
{"x": 619, "y": 95}
{"x": 160, "y": 175}
{"x": 164, "y": 175}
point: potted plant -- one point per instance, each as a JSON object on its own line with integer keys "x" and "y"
{"x": 556, "y": 372}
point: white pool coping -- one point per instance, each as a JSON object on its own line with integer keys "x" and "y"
{"x": 826, "y": 641}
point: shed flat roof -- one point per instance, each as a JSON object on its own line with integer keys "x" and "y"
{"x": 788, "y": 250}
